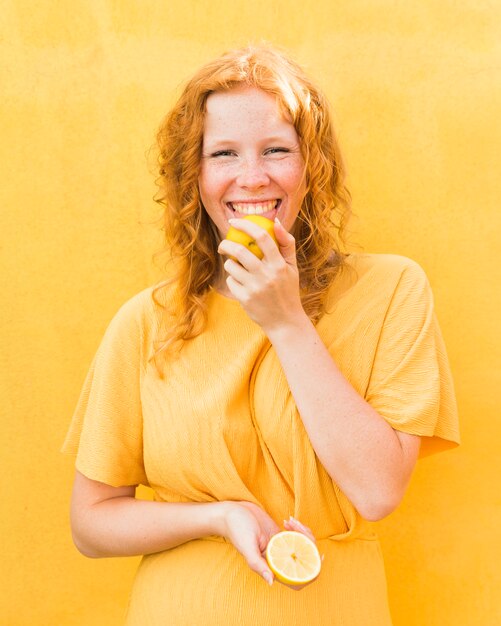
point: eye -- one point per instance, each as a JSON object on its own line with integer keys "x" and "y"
{"x": 276, "y": 150}
{"x": 223, "y": 153}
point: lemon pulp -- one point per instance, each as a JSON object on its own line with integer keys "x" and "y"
{"x": 293, "y": 557}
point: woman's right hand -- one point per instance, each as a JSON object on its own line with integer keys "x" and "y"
{"x": 249, "y": 528}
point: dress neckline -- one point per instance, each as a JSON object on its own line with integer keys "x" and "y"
{"x": 222, "y": 296}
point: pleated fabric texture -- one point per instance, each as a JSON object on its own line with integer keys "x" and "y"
{"x": 221, "y": 424}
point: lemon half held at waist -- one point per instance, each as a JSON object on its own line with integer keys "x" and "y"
{"x": 293, "y": 558}
{"x": 246, "y": 240}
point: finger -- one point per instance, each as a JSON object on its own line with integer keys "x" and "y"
{"x": 259, "y": 235}
{"x": 286, "y": 242}
{"x": 288, "y": 525}
{"x": 236, "y": 271}
{"x": 295, "y": 524}
{"x": 259, "y": 565}
{"x": 239, "y": 253}
{"x": 236, "y": 289}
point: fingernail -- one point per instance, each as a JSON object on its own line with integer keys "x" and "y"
{"x": 268, "y": 578}
{"x": 293, "y": 519}
{"x": 231, "y": 221}
{"x": 277, "y": 221}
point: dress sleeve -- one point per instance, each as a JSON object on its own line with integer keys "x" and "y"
{"x": 411, "y": 384}
{"x": 106, "y": 430}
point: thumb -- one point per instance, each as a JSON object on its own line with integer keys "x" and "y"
{"x": 259, "y": 565}
{"x": 286, "y": 242}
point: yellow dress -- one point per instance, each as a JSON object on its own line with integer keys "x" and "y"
{"x": 223, "y": 425}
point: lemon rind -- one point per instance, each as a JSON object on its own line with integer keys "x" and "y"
{"x": 291, "y": 579}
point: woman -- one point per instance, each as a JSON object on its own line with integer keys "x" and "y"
{"x": 244, "y": 391}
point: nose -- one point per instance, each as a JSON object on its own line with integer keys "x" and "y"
{"x": 252, "y": 175}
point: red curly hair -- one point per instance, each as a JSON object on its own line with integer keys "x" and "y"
{"x": 191, "y": 239}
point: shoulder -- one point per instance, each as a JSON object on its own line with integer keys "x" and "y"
{"x": 369, "y": 281}
{"x": 134, "y": 324}
{"x": 136, "y": 310}
{"x": 386, "y": 273}
{"x": 138, "y": 304}
{"x": 389, "y": 267}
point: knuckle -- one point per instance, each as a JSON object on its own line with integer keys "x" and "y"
{"x": 268, "y": 280}
{"x": 283, "y": 273}
{"x": 247, "y": 299}
{"x": 274, "y": 277}
{"x": 237, "y": 251}
{"x": 244, "y": 255}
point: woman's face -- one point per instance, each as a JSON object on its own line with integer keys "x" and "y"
{"x": 251, "y": 159}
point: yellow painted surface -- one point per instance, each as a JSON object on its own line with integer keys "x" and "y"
{"x": 416, "y": 89}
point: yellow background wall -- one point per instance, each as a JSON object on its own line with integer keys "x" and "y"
{"x": 417, "y": 96}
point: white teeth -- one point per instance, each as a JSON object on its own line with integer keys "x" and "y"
{"x": 254, "y": 208}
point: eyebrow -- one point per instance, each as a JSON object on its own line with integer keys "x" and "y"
{"x": 271, "y": 139}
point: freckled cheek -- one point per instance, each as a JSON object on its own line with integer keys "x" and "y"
{"x": 292, "y": 177}
{"x": 212, "y": 184}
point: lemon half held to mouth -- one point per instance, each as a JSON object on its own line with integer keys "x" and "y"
{"x": 293, "y": 558}
{"x": 246, "y": 240}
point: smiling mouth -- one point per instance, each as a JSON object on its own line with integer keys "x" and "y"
{"x": 266, "y": 209}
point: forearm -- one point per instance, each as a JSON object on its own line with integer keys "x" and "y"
{"x": 125, "y": 526}
{"x": 357, "y": 447}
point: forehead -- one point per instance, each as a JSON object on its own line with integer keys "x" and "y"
{"x": 244, "y": 108}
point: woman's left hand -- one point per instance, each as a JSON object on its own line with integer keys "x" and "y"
{"x": 268, "y": 289}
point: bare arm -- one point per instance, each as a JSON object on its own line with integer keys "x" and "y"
{"x": 110, "y": 521}
{"x": 370, "y": 461}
